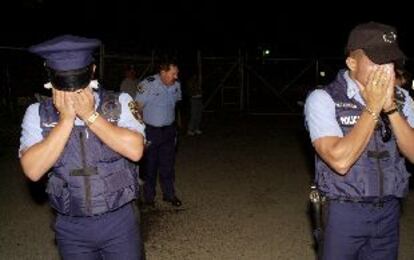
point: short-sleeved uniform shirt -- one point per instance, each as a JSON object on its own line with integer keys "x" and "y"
{"x": 320, "y": 110}
{"x": 158, "y": 100}
{"x": 32, "y": 131}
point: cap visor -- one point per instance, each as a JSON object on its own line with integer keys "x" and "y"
{"x": 384, "y": 55}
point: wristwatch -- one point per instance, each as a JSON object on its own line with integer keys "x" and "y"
{"x": 92, "y": 118}
{"x": 374, "y": 115}
{"x": 391, "y": 111}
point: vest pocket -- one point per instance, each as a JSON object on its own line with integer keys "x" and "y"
{"x": 400, "y": 178}
{"x": 120, "y": 185}
{"x": 59, "y": 195}
{"x": 353, "y": 184}
{"x": 107, "y": 154}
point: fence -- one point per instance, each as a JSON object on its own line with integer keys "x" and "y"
{"x": 240, "y": 82}
{"x": 253, "y": 85}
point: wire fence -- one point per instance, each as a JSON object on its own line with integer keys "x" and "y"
{"x": 240, "y": 82}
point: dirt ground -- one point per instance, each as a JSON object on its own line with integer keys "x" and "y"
{"x": 244, "y": 186}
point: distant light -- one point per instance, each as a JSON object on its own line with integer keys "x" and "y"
{"x": 322, "y": 74}
{"x": 265, "y": 52}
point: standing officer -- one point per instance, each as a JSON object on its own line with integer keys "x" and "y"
{"x": 361, "y": 126}
{"x": 157, "y": 96}
{"x": 196, "y": 103}
{"x": 85, "y": 138}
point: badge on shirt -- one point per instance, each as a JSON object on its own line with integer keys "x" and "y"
{"x": 111, "y": 108}
{"x": 135, "y": 111}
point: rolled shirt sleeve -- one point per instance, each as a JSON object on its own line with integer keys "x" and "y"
{"x": 31, "y": 131}
{"x": 320, "y": 116}
{"x": 408, "y": 108}
{"x": 127, "y": 119}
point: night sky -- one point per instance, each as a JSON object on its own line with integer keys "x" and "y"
{"x": 294, "y": 30}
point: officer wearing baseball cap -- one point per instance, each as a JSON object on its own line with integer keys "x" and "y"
{"x": 354, "y": 124}
{"x": 378, "y": 41}
{"x": 84, "y": 138}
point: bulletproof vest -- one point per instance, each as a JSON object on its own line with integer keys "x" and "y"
{"x": 89, "y": 178}
{"x": 379, "y": 171}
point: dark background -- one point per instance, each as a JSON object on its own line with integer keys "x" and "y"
{"x": 291, "y": 28}
{"x": 313, "y": 33}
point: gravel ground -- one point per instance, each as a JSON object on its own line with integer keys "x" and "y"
{"x": 244, "y": 186}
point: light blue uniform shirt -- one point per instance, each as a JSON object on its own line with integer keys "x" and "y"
{"x": 32, "y": 132}
{"x": 320, "y": 112}
{"x": 158, "y": 100}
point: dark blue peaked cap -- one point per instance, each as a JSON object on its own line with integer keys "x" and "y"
{"x": 66, "y": 52}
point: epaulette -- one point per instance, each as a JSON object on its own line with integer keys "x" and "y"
{"x": 150, "y": 78}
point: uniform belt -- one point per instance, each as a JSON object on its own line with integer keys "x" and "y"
{"x": 375, "y": 201}
{"x": 96, "y": 216}
{"x": 159, "y": 127}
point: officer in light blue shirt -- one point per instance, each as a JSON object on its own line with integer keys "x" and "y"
{"x": 362, "y": 128}
{"x": 32, "y": 132}
{"x": 158, "y": 100}
{"x": 157, "y": 97}
{"x": 320, "y": 110}
{"x": 84, "y": 138}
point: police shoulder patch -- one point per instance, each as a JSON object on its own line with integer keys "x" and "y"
{"x": 135, "y": 111}
{"x": 140, "y": 88}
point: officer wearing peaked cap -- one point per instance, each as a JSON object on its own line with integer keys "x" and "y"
{"x": 84, "y": 140}
{"x": 66, "y": 52}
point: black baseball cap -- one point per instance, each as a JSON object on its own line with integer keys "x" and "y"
{"x": 378, "y": 41}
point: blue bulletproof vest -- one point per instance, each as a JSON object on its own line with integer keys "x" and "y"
{"x": 89, "y": 178}
{"x": 380, "y": 170}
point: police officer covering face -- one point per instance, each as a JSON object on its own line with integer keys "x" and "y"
{"x": 361, "y": 126}
{"x": 84, "y": 139}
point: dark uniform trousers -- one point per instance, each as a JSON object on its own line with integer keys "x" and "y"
{"x": 362, "y": 231}
{"x": 159, "y": 157}
{"x": 114, "y": 235}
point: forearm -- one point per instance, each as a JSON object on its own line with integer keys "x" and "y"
{"x": 39, "y": 158}
{"x": 404, "y": 135}
{"x": 342, "y": 153}
{"x": 123, "y": 141}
